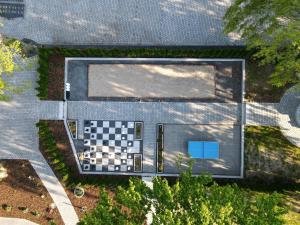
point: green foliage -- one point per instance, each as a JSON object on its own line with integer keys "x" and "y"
{"x": 273, "y": 28}
{"x": 45, "y": 53}
{"x": 191, "y": 200}
{"x": 8, "y": 52}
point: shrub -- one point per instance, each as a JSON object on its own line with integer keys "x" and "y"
{"x": 212, "y": 52}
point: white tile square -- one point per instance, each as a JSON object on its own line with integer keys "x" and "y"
{"x": 99, "y": 167}
{"x": 111, "y": 155}
{"x": 104, "y": 162}
{"x": 123, "y": 168}
{"x": 130, "y": 137}
{"x": 117, "y": 162}
{"x": 99, "y": 142}
{"x": 105, "y": 137}
{"x": 111, "y": 168}
{"x": 87, "y": 130}
{"x": 98, "y": 155}
{"x": 130, "y": 162}
{"x": 124, "y": 130}
{"x": 86, "y": 167}
{"x": 93, "y": 161}
{"x": 123, "y": 155}
{"x": 105, "y": 149}
{"x": 130, "y": 125}
{"x": 105, "y": 123}
{"x": 124, "y": 143}
{"x": 118, "y": 137}
{"x": 93, "y": 123}
{"x": 87, "y": 142}
{"x": 99, "y": 130}
{"x": 111, "y": 143}
{"x": 93, "y": 136}
{"x": 112, "y": 130}
{"x": 118, "y": 124}
{"x": 117, "y": 149}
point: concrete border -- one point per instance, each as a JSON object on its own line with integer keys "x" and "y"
{"x": 174, "y": 60}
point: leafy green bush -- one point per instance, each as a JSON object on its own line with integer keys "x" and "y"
{"x": 213, "y": 52}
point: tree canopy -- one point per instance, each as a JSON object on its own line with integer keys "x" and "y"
{"x": 191, "y": 200}
{"x": 8, "y": 52}
{"x": 273, "y": 28}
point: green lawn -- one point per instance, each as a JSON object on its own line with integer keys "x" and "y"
{"x": 272, "y": 163}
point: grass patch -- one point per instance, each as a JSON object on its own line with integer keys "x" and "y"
{"x": 46, "y": 69}
{"x": 268, "y": 152}
{"x": 272, "y": 163}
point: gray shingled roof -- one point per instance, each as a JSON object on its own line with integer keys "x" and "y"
{"x": 122, "y": 22}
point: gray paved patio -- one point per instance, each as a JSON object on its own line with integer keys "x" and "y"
{"x": 122, "y": 22}
{"x": 228, "y": 137}
{"x": 152, "y": 113}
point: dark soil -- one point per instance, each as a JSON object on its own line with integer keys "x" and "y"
{"x": 24, "y": 189}
{"x": 56, "y": 78}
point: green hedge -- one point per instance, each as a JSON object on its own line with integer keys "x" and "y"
{"x": 44, "y": 53}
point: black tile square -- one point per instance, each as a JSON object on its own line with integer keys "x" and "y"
{"x": 99, "y": 136}
{"x": 130, "y": 131}
{"x": 123, "y": 149}
{"x": 104, "y": 155}
{"x": 105, "y": 130}
{"x": 99, "y": 149}
{"x": 129, "y": 156}
{"x": 93, "y": 142}
{"x": 117, "y": 143}
{"x": 87, "y": 136}
{"x": 93, "y": 167}
{"x": 93, "y": 155}
{"x": 124, "y": 124}
{"x": 111, "y": 149}
{"x": 87, "y": 123}
{"x": 111, "y": 162}
{"x": 118, "y": 156}
{"x": 111, "y": 137}
{"x": 118, "y": 131}
{"x": 93, "y": 130}
{"x": 99, "y": 161}
{"x": 99, "y": 123}
{"x": 123, "y": 161}
{"x": 112, "y": 123}
{"x": 124, "y": 137}
{"x": 104, "y": 168}
{"x": 105, "y": 143}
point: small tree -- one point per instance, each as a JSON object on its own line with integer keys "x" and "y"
{"x": 273, "y": 28}
{"x": 191, "y": 200}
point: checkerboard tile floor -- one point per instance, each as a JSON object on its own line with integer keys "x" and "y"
{"x": 109, "y": 146}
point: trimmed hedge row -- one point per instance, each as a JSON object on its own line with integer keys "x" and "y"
{"x": 54, "y": 155}
{"x": 44, "y": 53}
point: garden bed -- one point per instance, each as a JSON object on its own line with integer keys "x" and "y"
{"x": 24, "y": 196}
{"x": 55, "y": 146}
{"x": 160, "y": 148}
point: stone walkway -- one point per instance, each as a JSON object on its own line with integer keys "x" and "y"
{"x": 284, "y": 114}
{"x": 19, "y": 139}
{"x": 15, "y": 221}
{"x": 122, "y": 22}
